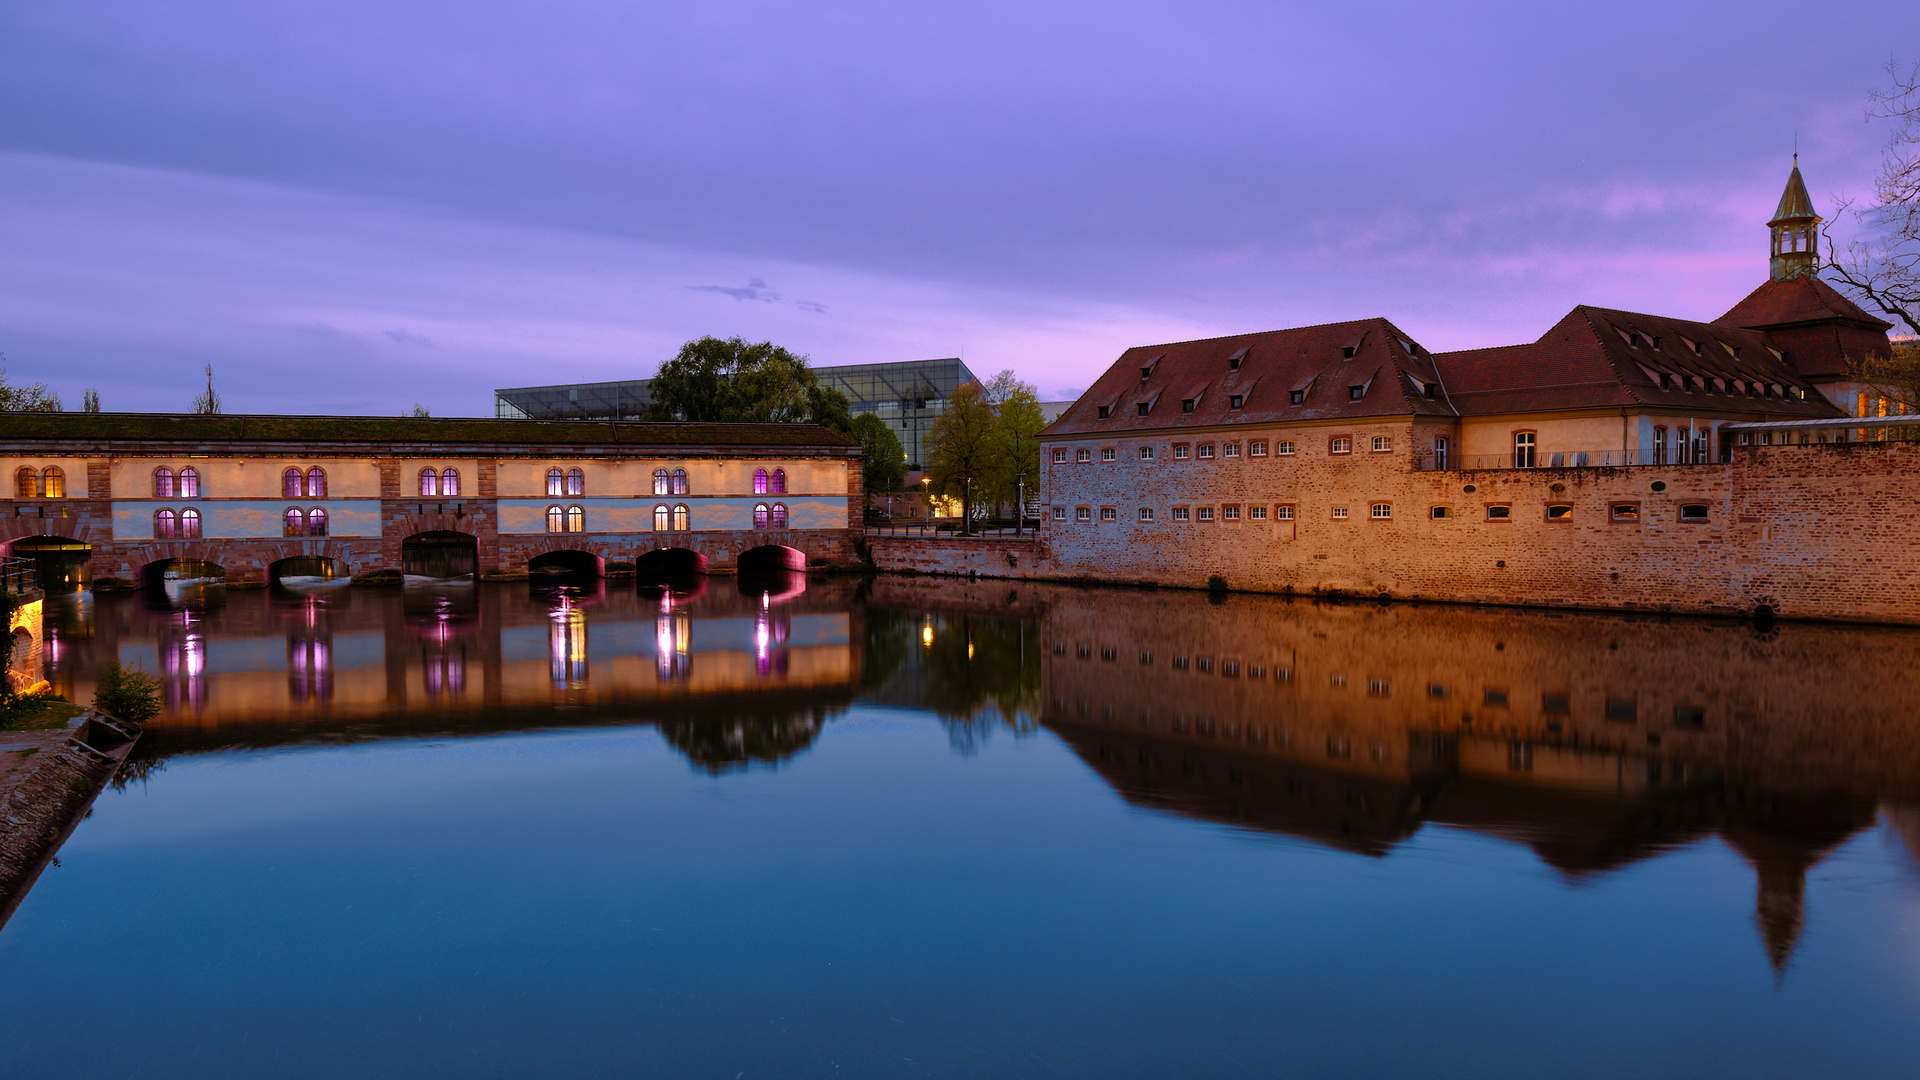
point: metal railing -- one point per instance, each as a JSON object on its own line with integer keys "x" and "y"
{"x": 19, "y": 575}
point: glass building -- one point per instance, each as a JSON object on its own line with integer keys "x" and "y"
{"x": 907, "y": 395}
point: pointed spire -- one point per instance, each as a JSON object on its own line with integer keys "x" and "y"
{"x": 1795, "y": 228}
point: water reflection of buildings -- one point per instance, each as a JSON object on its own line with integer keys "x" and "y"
{"x": 1592, "y": 740}
{"x": 776, "y": 662}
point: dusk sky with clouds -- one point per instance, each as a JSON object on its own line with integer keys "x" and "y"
{"x": 355, "y": 206}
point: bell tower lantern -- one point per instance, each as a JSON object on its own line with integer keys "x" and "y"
{"x": 1795, "y": 231}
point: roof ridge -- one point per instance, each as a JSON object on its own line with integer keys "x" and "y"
{"x": 1257, "y": 333}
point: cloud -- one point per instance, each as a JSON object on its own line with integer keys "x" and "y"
{"x": 808, "y": 305}
{"x": 408, "y": 337}
{"x": 754, "y": 289}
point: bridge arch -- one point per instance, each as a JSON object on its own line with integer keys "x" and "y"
{"x": 771, "y": 557}
{"x": 308, "y": 570}
{"x": 162, "y": 573}
{"x": 440, "y": 553}
{"x": 64, "y": 564}
{"x": 670, "y": 561}
{"x": 567, "y": 562}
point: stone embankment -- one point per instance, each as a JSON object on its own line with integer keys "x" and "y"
{"x": 48, "y": 781}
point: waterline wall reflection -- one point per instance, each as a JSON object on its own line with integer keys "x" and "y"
{"x": 1593, "y": 740}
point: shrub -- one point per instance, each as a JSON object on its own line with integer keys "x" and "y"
{"x": 1216, "y": 583}
{"x": 127, "y": 693}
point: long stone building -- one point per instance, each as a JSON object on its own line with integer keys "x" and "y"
{"x": 1623, "y": 460}
{"x": 140, "y": 496}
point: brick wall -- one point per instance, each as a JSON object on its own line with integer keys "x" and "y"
{"x": 1811, "y": 532}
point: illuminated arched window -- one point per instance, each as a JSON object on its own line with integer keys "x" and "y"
{"x": 450, "y": 482}
{"x": 779, "y": 516}
{"x": 189, "y": 524}
{"x": 679, "y": 481}
{"x": 317, "y": 521}
{"x": 54, "y": 483}
{"x": 429, "y": 483}
{"x": 680, "y": 518}
{"x": 662, "y": 519}
{"x": 661, "y": 485}
{"x": 556, "y": 482}
{"x": 760, "y": 516}
{"x": 189, "y": 483}
{"x": 779, "y": 486}
{"x": 26, "y": 483}
{"x": 576, "y": 482}
{"x": 290, "y": 484}
{"x": 293, "y": 522}
{"x": 556, "y": 519}
{"x": 576, "y": 518}
{"x": 759, "y": 481}
{"x": 163, "y": 483}
{"x": 316, "y": 483}
{"x": 163, "y": 524}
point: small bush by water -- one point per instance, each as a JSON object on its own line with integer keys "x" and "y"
{"x": 127, "y": 693}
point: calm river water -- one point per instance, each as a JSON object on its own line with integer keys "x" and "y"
{"x": 901, "y": 828}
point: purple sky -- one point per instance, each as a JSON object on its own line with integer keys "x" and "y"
{"x": 353, "y": 206}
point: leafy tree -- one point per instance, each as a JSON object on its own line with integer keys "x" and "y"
{"x": 90, "y": 401}
{"x": 127, "y": 693}
{"x": 964, "y": 455}
{"x": 1883, "y": 267}
{"x": 1017, "y": 431}
{"x": 884, "y": 464}
{"x": 1002, "y": 386}
{"x": 711, "y": 380}
{"x": 33, "y": 398}
{"x": 419, "y": 410}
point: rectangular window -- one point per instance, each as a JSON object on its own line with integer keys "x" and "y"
{"x": 1339, "y": 513}
{"x": 1440, "y": 454}
{"x": 1235, "y": 401}
{"x": 1382, "y": 442}
{"x": 1256, "y": 513}
{"x": 1340, "y": 446}
{"x": 1283, "y": 513}
{"x": 1060, "y": 457}
{"x": 1146, "y": 513}
{"x": 1083, "y": 513}
{"x": 1622, "y": 709}
{"x": 1206, "y": 513}
{"x": 1285, "y": 447}
{"x": 1559, "y": 512}
{"x": 1231, "y": 449}
{"x": 1144, "y": 407}
{"x": 1355, "y": 393}
{"x": 1108, "y": 513}
{"x": 1499, "y": 513}
{"x": 1180, "y": 513}
{"x": 1186, "y": 405}
{"x": 1107, "y": 453}
{"x": 1180, "y": 452}
{"x": 1694, "y": 512}
{"x": 1495, "y": 697}
{"x": 1256, "y": 449}
{"x": 1146, "y": 453}
{"x": 1625, "y": 512}
{"x": 1442, "y": 513}
{"x": 1105, "y": 411}
{"x": 1059, "y": 513}
{"x": 1382, "y": 511}
{"x": 1296, "y": 397}
{"x": 1230, "y": 513}
{"x": 1083, "y": 456}
{"x": 1523, "y": 450}
{"x": 1206, "y": 451}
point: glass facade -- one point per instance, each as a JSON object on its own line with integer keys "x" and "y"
{"x": 907, "y": 395}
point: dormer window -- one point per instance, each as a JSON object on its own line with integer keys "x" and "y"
{"x": 1233, "y": 362}
{"x": 1347, "y": 352}
{"x": 1146, "y": 373}
{"x": 1656, "y": 342}
{"x": 1297, "y": 397}
{"x": 1144, "y": 406}
{"x": 1186, "y": 405}
{"x": 1235, "y": 401}
{"x": 1355, "y": 393}
{"x": 1106, "y": 411}
{"x": 1698, "y": 348}
{"x": 1429, "y": 389}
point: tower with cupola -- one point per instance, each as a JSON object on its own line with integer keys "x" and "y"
{"x": 1795, "y": 229}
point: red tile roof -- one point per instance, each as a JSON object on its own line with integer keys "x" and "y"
{"x": 1392, "y": 370}
{"x": 1796, "y": 301}
{"x": 1601, "y": 358}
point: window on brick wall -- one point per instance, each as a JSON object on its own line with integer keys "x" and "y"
{"x": 1341, "y": 445}
{"x": 1204, "y": 513}
{"x": 1180, "y": 513}
{"x": 1285, "y": 446}
{"x": 1146, "y": 513}
{"x": 1059, "y": 457}
{"x": 1624, "y": 512}
{"x": 1059, "y": 513}
{"x": 1108, "y": 513}
{"x": 1256, "y": 513}
{"x": 1560, "y": 512}
{"x": 1231, "y": 450}
{"x": 1380, "y": 511}
{"x": 1229, "y": 513}
{"x": 1107, "y": 453}
{"x": 1146, "y": 453}
{"x": 1499, "y": 513}
{"x": 1083, "y": 513}
{"x": 1257, "y": 449}
{"x": 1083, "y": 456}
{"x": 1339, "y": 513}
{"x": 1441, "y": 513}
{"x": 1181, "y": 451}
{"x": 1283, "y": 513}
{"x": 1693, "y": 512}
{"x": 1206, "y": 451}
{"x": 1382, "y": 443}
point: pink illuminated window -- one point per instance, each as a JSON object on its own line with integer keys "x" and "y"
{"x": 576, "y": 482}
{"x": 316, "y": 483}
{"x": 778, "y": 517}
{"x": 450, "y": 482}
{"x": 291, "y": 484}
{"x": 759, "y": 481}
{"x": 189, "y": 483}
{"x": 317, "y": 521}
{"x": 293, "y": 522}
{"x": 760, "y": 512}
{"x": 556, "y": 482}
{"x": 779, "y": 485}
{"x": 429, "y": 483}
{"x": 189, "y": 524}
{"x": 679, "y": 481}
{"x": 163, "y": 483}
{"x": 662, "y": 482}
{"x": 163, "y": 524}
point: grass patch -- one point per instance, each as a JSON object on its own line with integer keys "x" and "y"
{"x": 45, "y": 713}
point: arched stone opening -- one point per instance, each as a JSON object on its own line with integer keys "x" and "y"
{"x": 570, "y": 563}
{"x": 63, "y": 563}
{"x": 771, "y": 557}
{"x": 772, "y": 573}
{"x": 677, "y": 574}
{"x": 164, "y": 573}
{"x": 301, "y": 571}
{"x": 441, "y": 553}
